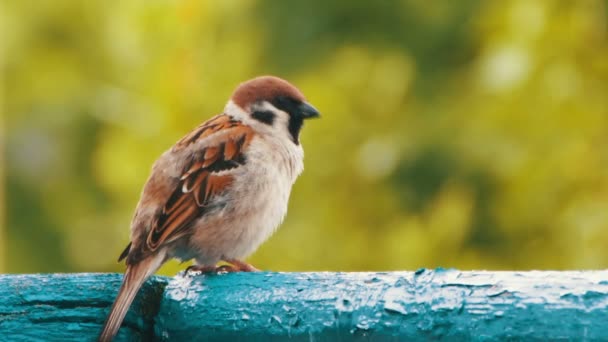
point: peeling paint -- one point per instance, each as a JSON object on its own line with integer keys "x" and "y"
{"x": 443, "y": 304}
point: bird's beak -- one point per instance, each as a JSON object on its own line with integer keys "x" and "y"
{"x": 308, "y": 111}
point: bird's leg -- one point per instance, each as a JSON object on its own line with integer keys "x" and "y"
{"x": 201, "y": 268}
{"x": 241, "y": 266}
{"x": 235, "y": 266}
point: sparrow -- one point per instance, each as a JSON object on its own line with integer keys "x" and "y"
{"x": 220, "y": 191}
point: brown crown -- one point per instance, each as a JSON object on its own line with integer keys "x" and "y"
{"x": 264, "y": 88}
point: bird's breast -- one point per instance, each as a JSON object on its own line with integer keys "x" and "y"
{"x": 256, "y": 203}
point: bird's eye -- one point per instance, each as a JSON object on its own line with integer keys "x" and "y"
{"x": 286, "y": 104}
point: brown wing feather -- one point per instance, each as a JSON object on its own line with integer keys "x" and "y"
{"x": 201, "y": 181}
{"x": 213, "y": 125}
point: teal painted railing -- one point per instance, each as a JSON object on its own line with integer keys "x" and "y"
{"x": 424, "y": 305}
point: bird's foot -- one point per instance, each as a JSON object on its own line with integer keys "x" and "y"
{"x": 241, "y": 266}
{"x": 233, "y": 266}
{"x": 204, "y": 269}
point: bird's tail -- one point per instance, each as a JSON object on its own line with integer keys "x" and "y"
{"x": 135, "y": 275}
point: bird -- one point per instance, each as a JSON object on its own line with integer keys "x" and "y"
{"x": 220, "y": 191}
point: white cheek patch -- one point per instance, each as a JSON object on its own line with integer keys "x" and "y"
{"x": 280, "y": 121}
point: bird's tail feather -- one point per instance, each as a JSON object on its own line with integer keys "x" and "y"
{"x": 135, "y": 275}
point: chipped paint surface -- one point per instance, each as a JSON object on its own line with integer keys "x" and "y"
{"x": 426, "y": 304}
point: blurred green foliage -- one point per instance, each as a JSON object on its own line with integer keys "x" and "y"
{"x": 469, "y": 134}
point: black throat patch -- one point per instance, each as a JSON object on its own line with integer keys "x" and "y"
{"x": 296, "y": 121}
{"x": 295, "y": 125}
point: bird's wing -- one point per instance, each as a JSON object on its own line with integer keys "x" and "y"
{"x": 204, "y": 177}
{"x": 208, "y": 174}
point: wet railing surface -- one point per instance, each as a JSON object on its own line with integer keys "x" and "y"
{"x": 321, "y": 306}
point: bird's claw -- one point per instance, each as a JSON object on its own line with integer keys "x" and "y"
{"x": 233, "y": 267}
{"x": 200, "y": 269}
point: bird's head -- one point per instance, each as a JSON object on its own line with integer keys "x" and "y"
{"x": 271, "y": 104}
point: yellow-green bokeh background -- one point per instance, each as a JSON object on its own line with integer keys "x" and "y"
{"x": 468, "y": 134}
